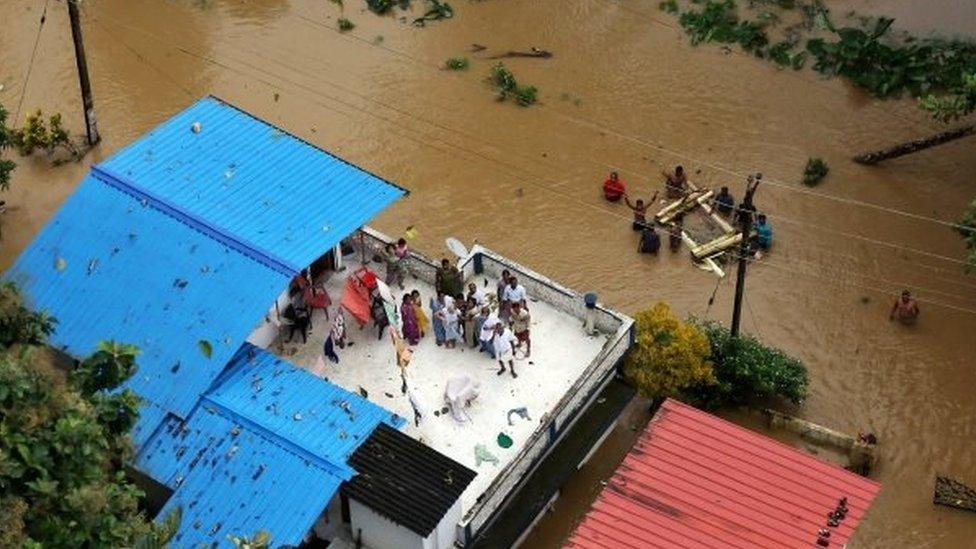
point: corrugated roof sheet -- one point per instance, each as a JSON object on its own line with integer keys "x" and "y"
{"x": 109, "y": 267}
{"x": 266, "y": 449}
{"x": 249, "y": 179}
{"x": 405, "y": 480}
{"x": 694, "y": 480}
{"x": 181, "y": 240}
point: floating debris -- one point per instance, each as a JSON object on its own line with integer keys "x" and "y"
{"x": 205, "y": 348}
{"x": 297, "y": 416}
{"x": 953, "y": 493}
{"x": 60, "y": 264}
{"x": 363, "y": 392}
{"x": 258, "y": 472}
{"x": 196, "y": 127}
{"x": 180, "y": 283}
{"x": 175, "y": 368}
{"x": 92, "y": 265}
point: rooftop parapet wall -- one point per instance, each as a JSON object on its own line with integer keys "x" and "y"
{"x": 613, "y": 326}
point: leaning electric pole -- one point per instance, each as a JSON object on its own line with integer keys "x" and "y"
{"x": 744, "y": 213}
{"x": 91, "y": 127}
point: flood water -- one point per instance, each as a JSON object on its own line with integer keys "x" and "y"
{"x": 624, "y": 91}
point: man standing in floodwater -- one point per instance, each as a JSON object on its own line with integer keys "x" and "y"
{"x": 905, "y": 309}
{"x": 640, "y": 211}
{"x": 676, "y": 184}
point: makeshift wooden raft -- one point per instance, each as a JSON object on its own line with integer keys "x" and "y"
{"x": 703, "y": 230}
{"x": 953, "y": 493}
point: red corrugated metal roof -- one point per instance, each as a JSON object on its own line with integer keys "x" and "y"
{"x": 694, "y": 480}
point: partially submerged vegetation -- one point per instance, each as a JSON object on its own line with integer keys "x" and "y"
{"x": 7, "y": 166}
{"x": 435, "y": 9}
{"x": 967, "y": 228}
{"x": 345, "y": 24}
{"x": 699, "y": 361}
{"x": 940, "y": 72}
{"x": 38, "y": 135}
{"x": 457, "y": 64}
{"x": 507, "y": 86}
{"x": 814, "y": 172}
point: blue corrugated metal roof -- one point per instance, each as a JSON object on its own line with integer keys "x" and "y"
{"x": 108, "y": 267}
{"x": 251, "y": 180}
{"x": 244, "y": 483}
{"x": 265, "y": 449}
{"x": 186, "y": 237}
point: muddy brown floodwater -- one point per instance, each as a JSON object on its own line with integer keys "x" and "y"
{"x": 624, "y": 91}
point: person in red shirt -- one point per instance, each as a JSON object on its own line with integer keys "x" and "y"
{"x": 613, "y": 188}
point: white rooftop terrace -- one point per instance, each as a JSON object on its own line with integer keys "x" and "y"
{"x": 567, "y": 368}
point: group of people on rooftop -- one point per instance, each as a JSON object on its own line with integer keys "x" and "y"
{"x": 676, "y": 187}
{"x": 495, "y": 323}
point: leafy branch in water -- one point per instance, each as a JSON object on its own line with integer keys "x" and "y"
{"x": 457, "y": 64}
{"x": 345, "y": 24}
{"x": 815, "y": 170}
{"x": 719, "y": 22}
{"x": 508, "y": 86}
{"x": 967, "y": 229}
{"x": 36, "y": 135}
{"x": 6, "y": 166}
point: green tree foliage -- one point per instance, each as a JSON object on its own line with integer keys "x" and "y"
{"x": 814, "y": 172}
{"x": 18, "y": 324}
{"x": 959, "y": 102}
{"x": 669, "y": 356}
{"x": 62, "y": 442}
{"x": 747, "y": 371}
{"x": 6, "y": 166}
{"x": 968, "y": 231}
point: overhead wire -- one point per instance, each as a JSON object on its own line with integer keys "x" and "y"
{"x": 30, "y": 63}
{"x": 315, "y": 92}
{"x": 644, "y": 143}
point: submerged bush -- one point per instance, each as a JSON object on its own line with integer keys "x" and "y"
{"x": 457, "y": 64}
{"x": 345, "y": 24}
{"x": 815, "y": 170}
{"x": 747, "y": 371}
{"x": 508, "y": 86}
{"x": 718, "y": 22}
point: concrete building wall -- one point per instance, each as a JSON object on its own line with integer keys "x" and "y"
{"x": 378, "y": 532}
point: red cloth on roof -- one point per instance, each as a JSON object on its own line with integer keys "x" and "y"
{"x": 355, "y": 297}
{"x": 613, "y": 190}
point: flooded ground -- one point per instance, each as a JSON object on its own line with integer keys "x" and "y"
{"x": 623, "y": 91}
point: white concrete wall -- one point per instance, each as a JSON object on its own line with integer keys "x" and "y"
{"x": 447, "y": 531}
{"x": 378, "y": 532}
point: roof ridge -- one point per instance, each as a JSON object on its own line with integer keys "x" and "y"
{"x": 120, "y": 182}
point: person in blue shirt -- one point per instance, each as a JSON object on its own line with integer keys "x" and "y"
{"x": 764, "y": 233}
{"x": 724, "y": 202}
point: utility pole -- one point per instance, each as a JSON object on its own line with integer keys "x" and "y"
{"x": 88, "y": 103}
{"x": 744, "y": 212}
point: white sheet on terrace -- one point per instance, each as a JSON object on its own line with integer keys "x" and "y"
{"x": 560, "y": 353}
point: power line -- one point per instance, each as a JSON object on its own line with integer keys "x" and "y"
{"x": 316, "y": 93}
{"x": 142, "y": 58}
{"x": 640, "y": 141}
{"x": 30, "y": 64}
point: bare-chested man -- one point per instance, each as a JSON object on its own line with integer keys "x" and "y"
{"x": 905, "y": 309}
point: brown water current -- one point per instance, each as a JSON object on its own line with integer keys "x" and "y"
{"x": 624, "y": 91}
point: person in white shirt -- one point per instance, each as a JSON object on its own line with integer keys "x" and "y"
{"x": 513, "y": 293}
{"x": 504, "y": 344}
{"x": 488, "y": 331}
{"x": 479, "y": 296}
